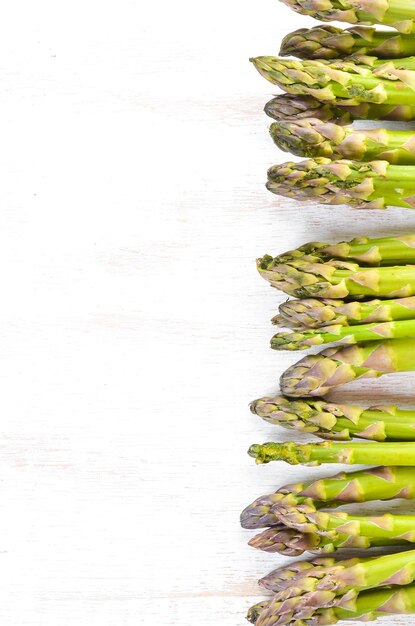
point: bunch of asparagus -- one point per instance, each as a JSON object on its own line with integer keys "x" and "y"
{"x": 356, "y": 292}
{"x": 325, "y": 590}
{"x": 344, "y": 75}
{"x": 296, "y": 522}
{"x": 359, "y": 294}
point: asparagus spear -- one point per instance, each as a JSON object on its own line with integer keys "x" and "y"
{"x": 376, "y": 483}
{"x": 283, "y": 577}
{"x": 338, "y": 585}
{"x": 292, "y": 541}
{"x": 313, "y": 313}
{"x": 262, "y": 512}
{"x": 402, "y": 454}
{"x": 368, "y": 606}
{"x": 391, "y": 250}
{"x": 313, "y": 138}
{"x": 317, "y": 374}
{"x": 371, "y": 185}
{"x": 349, "y": 81}
{"x": 291, "y": 107}
{"x": 337, "y": 524}
{"x": 337, "y": 278}
{"x": 337, "y": 421}
{"x": 255, "y": 610}
{"x": 328, "y": 42}
{"x": 397, "y": 13}
{"x": 301, "y": 340}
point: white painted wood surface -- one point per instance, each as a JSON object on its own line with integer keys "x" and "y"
{"x": 134, "y": 328}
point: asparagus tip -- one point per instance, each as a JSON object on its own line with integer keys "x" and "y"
{"x": 255, "y": 452}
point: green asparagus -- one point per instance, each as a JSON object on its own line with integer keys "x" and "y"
{"x": 353, "y": 453}
{"x": 313, "y": 313}
{"x": 301, "y": 340}
{"x": 376, "y": 483}
{"x": 371, "y": 185}
{"x": 350, "y": 81}
{"x": 397, "y": 13}
{"x": 255, "y": 610}
{"x": 337, "y": 278}
{"x": 337, "y": 586}
{"x": 291, "y": 541}
{"x": 263, "y": 511}
{"x": 290, "y": 107}
{"x": 313, "y": 138}
{"x": 328, "y": 42}
{"x": 283, "y": 577}
{"x": 391, "y": 250}
{"x": 337, "y": 524}
{"x": 337, "y": 421}
{"x": 317, "y": 374}
{"x": 368, "y": 606}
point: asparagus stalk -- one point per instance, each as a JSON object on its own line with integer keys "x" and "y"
{"x": 328, "y": 42}
{"x": 397, "y": 13}
{"x": 284, "y": 577}
{"x": 338, "y": 524}
{"x": 313, "y": 313}
{"x": 301, "y": 340}
{"x": 313, "y": 138}
{"x": 337, "y": 278}
{"x": 296, "y": 107}
{"x": 337, "y": 421}
{"x": 368, "y": 606}
{"x": 350, "y": 82}
{"x": 402, "y": 454}
{"x": 371, "y": 185}
{"x": 376, "y": 483}
{"x": 317, "y": 374}
{"x": 291, "y": 541}
{"x": 337, "y": 586}
{"x": 391, "y": 250}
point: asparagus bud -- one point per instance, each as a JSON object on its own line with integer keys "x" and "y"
{"x": 337, "y": 279}
{"x": 284, "y": 577}
{"x": 372, "y": 185}
{"x": 337, "y": 421}
{"x": 317, "y": 374}
{"x": 376, "y": 483}
{"x": 367, "y": 606}
{"x": 313, "y": 138}
{"x": 296, "y": 107}
{"x": 328, "y": 42}
{"x": 391, "y": 250}
{"x": 335, "y": 524}
{"x": 301, "y": 340}
{"x": 397, "y": 13}
{"x": 343, "y": 82}
{"x": 337, "y": 586}
{"x": 291, "y": 541}
{"x": 313, "y": 313}
{"x": 254, "y": 611}
{"x": 262, "y": 512}
{"x": 402, "y": 454}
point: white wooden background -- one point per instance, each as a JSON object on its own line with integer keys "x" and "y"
{"x": 134, "y": 328}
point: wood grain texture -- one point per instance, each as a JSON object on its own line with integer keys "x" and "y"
{"x": 134, "y": 328}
